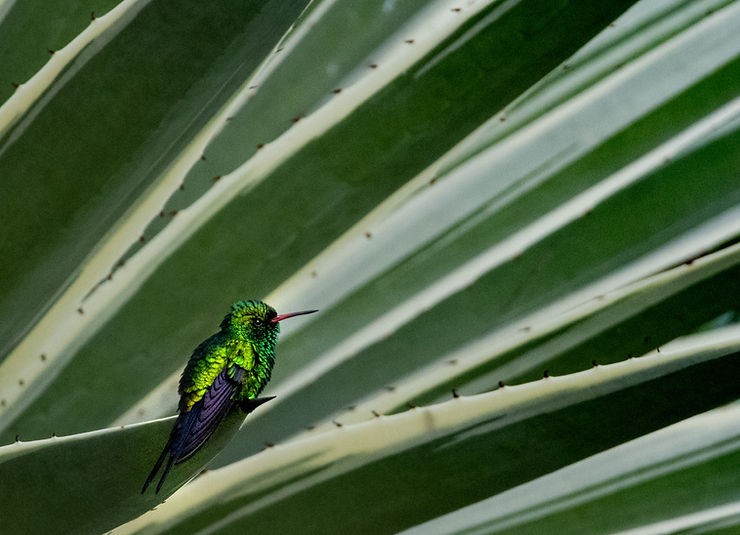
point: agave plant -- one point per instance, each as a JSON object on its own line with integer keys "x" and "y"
{"x": 519, "y": 219}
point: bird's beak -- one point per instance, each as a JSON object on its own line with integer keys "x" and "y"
{"x": 281, "y": 317}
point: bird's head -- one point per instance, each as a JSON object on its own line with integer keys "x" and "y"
{"x": 255, "y": 321}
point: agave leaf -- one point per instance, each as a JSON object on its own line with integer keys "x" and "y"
{"x": 628, "y": 322}
{"x": 289, "y": 210}
{"x": 150, "y": 104}
{"x": 466, "y": 192}
{"x": 579, "y": 250}
{"x": 27, "y": 39}
{"x": 621, "y": 324}
{"x": 699, "y": 455}
{"x": 91, "y": 482}
{"x": 462, "y": 451}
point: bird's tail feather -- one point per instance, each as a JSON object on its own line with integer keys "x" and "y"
{"x": 160, "y": 460}
{"x": 195, "y": 427}
{"x": 201, "y": 421}
{"x": 192, "y": 430}
{"x": 179, "y": 446}
{"x": 166, "y": 471}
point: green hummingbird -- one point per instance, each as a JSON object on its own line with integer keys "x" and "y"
{"x": 231, "y": 368}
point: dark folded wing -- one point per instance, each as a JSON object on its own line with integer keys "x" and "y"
{"x": 199, "y": 424}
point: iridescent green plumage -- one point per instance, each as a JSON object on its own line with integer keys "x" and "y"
{"x": 246, "y": 340}
{"x": 229, "y": 369}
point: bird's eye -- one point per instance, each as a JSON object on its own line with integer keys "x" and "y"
{"x": 259, "y": 323}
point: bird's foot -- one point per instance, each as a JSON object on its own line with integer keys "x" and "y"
{"x": 248, "y": 405}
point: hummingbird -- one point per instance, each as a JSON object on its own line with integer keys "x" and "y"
{"x": 229, "y": 369}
